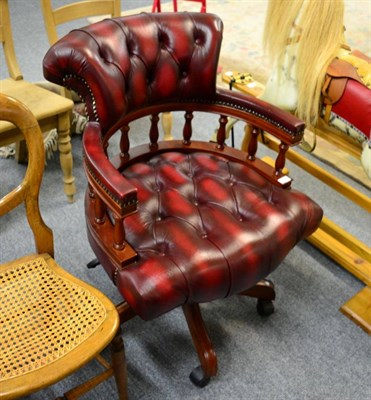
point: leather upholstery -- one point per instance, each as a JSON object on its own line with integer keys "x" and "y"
{"x": 206, "y": 228}
{"x": 161, "y": 58}
{"x": 359, "y": 116}
{"x": 204, "y": 221}
{"x": 156, "y": 56}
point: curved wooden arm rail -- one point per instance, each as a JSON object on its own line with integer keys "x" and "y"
{"x": 51, "y": 322}
{"x": 181, "y": 222}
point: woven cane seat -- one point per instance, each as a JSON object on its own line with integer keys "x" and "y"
{"x": 50, "y": 322}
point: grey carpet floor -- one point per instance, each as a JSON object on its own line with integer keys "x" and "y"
{"x": 306, "y": 350}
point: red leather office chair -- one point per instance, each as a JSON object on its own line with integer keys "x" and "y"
{"x": 182, "y": 222}
{"x": 157, "y": 5}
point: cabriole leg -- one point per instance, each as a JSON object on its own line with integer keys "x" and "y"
{"x": 200, "y": 376}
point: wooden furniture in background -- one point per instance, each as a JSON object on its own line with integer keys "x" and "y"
{"x": 157, "y": 5}
{"x": 51, "y": 110}
{"x": 51, "y": 322}
{"x": 334, "y": 241}
{"x": 55, "y": 16}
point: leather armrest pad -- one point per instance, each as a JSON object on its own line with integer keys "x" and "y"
{"x": 111, "y": 186}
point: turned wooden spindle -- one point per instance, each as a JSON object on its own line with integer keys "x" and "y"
{"x": 220, "y": 136}
{"x": 253, "y": 144}
{"x": 281, "y": 158}
{"x": 99, "y": 209}
{"x": 153, "y": 133}
{"x": 124, "y": 141}
{"x": 118, "y": 233}
{"x": 187, "y": 130}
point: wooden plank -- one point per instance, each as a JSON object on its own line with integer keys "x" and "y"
{"x": 358, "y": 309}
{"x": 348, "y": 240}
{"x": 341, "y": 160}
{"x": 338, "y": 139}
{"x": 342, "y": 254}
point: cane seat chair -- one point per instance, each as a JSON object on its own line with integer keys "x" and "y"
{"x": 51, "y": 110}
{"x": 51, "y": 322}
{"x": 181, "y": 222}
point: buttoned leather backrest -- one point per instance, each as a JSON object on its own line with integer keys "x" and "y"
{"x": 162, "y": 50}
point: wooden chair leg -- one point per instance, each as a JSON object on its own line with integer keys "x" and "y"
{"x": 65, "y": 156}
{"x": 125, "y": 312}
{"x": 265, "y": 293}
{"x": 167, "y": 125}
{"x": 85, "y": 387}
{"x": 200, "y": 376}
{"x": 119, "y": 365}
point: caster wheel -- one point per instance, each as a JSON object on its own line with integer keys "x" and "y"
{"x": 93, "y": 263}
{"x": 198, "y": 377}
{"x": 265, "y": 307}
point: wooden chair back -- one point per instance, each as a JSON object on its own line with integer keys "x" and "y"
{"x": 6, "y": 39}
{"x": 27, "y": 191}
{"x": 50, "y": 109}
{"x": 75, "y": 10}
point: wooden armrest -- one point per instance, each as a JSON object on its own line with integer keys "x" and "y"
{"x": 116, "y": 192}
{"x": 266, "y": 116}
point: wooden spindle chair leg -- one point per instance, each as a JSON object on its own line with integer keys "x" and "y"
{"x": 200, "y": 376}
{"x": 87, "y": 386}
{"x": 119, "y": 365}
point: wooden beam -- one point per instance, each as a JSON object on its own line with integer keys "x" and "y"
{"x": 358, "y": 309}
